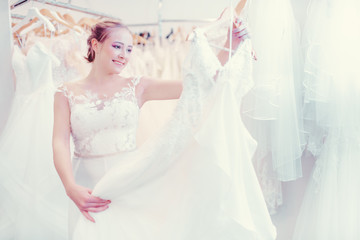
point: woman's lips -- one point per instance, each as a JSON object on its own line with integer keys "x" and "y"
{"x": 118, "y": 62}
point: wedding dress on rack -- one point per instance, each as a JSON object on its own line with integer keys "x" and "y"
{"x": 70, "y": 50}
{"x": 332, "y": 95}
{"x": 32, "y": 199}
{"x": 272, "y": 109}
{"x": 194, "y": 179}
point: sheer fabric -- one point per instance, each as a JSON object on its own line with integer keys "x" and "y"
{"x": 330, "y": 209}
{"x": 272, "y": 109}
{"x": 32, "y": 199}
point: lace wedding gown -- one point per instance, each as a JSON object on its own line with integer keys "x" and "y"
{"x": 193, "y": 180}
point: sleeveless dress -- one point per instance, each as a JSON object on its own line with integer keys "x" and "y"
{"x": 32, "y": 197}
{"x": 193, "y": 180}
{"x": 101, "y": 127}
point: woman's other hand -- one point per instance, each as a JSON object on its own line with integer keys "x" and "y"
{"x": 240, "y": 32}
{"x": 86, "y": 202}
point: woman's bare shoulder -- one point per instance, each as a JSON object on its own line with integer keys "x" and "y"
{"x": 74, "y": 83}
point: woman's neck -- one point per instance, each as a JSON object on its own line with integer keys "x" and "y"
{"x": 97, "y": 76}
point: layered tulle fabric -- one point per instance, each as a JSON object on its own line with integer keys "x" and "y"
{"x": 272, "y": 109}
{"x": 332, "y": 112}
{"x": 32, "y": 199}
{"x": 194, "y": 179}
{"x": 276, "y": 96}
{"x": 330, "y": 209}
{"x": 331, "y": 72}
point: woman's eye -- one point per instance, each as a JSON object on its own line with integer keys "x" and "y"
{"x": 117, "y": 46}
{"x": 129, "y": 50}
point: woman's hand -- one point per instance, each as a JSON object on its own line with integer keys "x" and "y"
{"x": 240, "y": 32}
{"x": 86, "y": 203}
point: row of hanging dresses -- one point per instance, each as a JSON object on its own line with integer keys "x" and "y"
{"x": 158, "y": 59}
{"x": 195, "y": 178}
{"x": 332, "y": 85}
{"x": 272, "y": 109}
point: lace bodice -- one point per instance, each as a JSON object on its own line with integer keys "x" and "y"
{"x": 203, "y": 63}
{"x": 34, "y": 70}
{"x": 103, "y": 125}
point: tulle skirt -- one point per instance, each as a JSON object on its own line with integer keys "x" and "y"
{"x": 272, "y": 108}
{"x": 330, "y": 209}
{"x": 184, "y": 185}
{"x": 32, "y": 199}
{"x": 332, "y": 94}
{"x": 331, "y": 69}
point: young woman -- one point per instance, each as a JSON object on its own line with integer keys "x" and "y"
{"x": 101, "y": 113}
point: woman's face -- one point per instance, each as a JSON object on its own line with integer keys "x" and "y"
{"x": 114, "y": 53}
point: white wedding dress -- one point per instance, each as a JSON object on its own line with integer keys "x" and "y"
{"x": 193, "y": 180}
{"x": 272, "y": 108}
{"x": 332, "y": 110}
{"x": 32, "y": 198}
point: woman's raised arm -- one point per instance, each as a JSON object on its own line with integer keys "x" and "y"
{"x": 157, "y": 89}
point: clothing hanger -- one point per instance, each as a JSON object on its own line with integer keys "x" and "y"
{"x": 30, "y": 23}
{"x": 87, "y": 23}
{"x": 179, "y": 32}
{"x": 34, "y": 27}
{"x": 69, "y": 19}
{"x": 63, "y": 19}
{"x": 55, "y": 17}
{"x": 175, "y": 34}
{"x": 34, "y": 15}
{"x": 171, "y": 32}
{"x": 237, "y": 10}
{"x": 138, "y": 40}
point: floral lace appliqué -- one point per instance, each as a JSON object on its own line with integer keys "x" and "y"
{"x": 102, "y": 124}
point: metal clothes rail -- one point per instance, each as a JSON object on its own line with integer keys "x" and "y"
{"x": 66, "y": 6}
{"x": 104, "y": 15}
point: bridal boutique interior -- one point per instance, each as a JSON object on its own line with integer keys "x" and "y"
{"x": 302, "y": 109}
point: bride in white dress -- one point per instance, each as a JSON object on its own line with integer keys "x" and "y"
{"x": 192, "y": 181}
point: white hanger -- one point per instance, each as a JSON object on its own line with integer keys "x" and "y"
{"x": 226, "y": 12}
{"x": 30, "y": 28}
{"x": 34, "y": 13}
{"x": 54, "y": 16}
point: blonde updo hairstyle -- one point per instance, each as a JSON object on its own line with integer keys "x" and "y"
{"x": 100, "y": 32}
